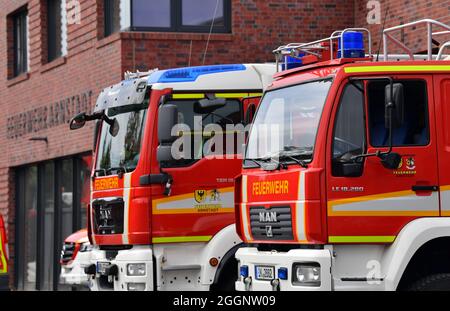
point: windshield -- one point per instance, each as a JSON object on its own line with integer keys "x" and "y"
{"x": 287, "y": 120}
{"x": 120, "y": 153}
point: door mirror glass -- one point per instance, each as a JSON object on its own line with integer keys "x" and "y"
{"x": 394, "y": 105}
{"x": 78, "y": 121}
{"x": 167, "y": 119}
{"x": 250, "y": 113}
{"x": 114, "y": 127}
{"x": 390, "y": 160}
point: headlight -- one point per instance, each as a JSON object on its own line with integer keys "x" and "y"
{"x": 86, "y": 247}
{"x": 134, "y": 287}
{"x": 136, "y": 269}
{"x": 306, "y": 274}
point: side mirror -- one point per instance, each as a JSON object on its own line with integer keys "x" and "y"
{"x": 167, "y": 119}
{"x": 250, "y": 114}
{"x": 347, "y": 169}
{"x": 209, "y": 105}
{"x": 78, "y": 121}
{"x": 390, "y": 160}
{"x": 164, "y": 153}
{"x": 114, "y": 127}
{"x": 394, "y": 105}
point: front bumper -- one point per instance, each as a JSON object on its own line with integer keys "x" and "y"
{"x": 73, "y": 273}
{"x": 251, "y": 257}
{"x": 121, "y": 281}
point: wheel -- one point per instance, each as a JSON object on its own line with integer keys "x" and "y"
{"x": 434, "y": 282}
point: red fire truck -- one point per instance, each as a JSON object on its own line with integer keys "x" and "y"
{"x": 3, "y": 257}
{"x": 162, "y": 213}
{"x": 349, "y": 187}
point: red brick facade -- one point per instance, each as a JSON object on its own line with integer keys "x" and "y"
{"x": 40, "y": 102}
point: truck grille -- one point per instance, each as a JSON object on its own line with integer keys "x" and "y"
{"x": 108, "y": 216}
{"x": 67, "y": 253}
{"x": 274, "y": 223}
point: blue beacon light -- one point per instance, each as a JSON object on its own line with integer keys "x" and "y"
{"x": 353, "y": 45}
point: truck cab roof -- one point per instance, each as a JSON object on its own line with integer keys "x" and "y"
{"x": 215, "y": 77}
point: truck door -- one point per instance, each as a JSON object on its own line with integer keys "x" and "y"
{"x": 366, "y": 202}
{"x": 201, "y": 200}
{"x": 442, "y": 101}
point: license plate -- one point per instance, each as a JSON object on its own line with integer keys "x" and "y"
{"x": 101, "y": 267}
{"x": 265, "y": 273}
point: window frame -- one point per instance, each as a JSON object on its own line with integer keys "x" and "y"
{"x": 21, "y": 13}
{"x": 426, "y": 115}
{"x": 20, "y": 210}
{"x": 365, "y": 116}
{"x": 332, "y": 159}
{"x": 176, "y": 16}
{"x": 51, "y": 41}
{"x": 108, "y": 18}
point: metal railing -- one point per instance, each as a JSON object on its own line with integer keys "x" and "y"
{"x": 441, "y": 50}
{"x": 312, "y": 48}
{"x": 387, "y": 35}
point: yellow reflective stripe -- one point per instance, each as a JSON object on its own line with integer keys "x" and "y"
{"x": 218, "y": 95}
{"x": 207, "y": 133}
{"x": 183, "y": 239}
{"x": 361, "y": 239}
{"x": 187, "y": 96}
{"x": 231, "y": 95}
{"x": 366, "y": 69}
{"x": 2, "y": 257}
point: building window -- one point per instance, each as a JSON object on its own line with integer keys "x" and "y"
{"x": 51, "y": 204}
{"x": 112, "y": 16}
{"x": 20, "y": 22}
{"x": 181, "y": 15}
{"x": 56, "y": 29}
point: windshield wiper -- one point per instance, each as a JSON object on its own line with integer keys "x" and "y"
{"x": 291, "y": 152}
{"x": 298, "y": 161}
{"x": 118, "y": 169}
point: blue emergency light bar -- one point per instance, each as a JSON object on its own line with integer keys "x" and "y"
{"x": 292, "y": 62}
{"x": 353, "y": 45}
{"x": 190, "y": 74}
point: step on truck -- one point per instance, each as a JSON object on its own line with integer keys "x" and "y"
{"x": 349, "y": 187}
{"x": 162, "y": 210}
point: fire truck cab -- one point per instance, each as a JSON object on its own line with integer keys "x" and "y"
{"x": 345, "y": 180}
{"x": 162, "y": 207}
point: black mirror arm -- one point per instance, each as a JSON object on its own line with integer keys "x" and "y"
{"x": 105, "y": 118}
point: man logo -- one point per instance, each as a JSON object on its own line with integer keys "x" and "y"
{"x": 268, "y": 217}
{"x": 269, "y": 232}
{"x": 200, "y": 195}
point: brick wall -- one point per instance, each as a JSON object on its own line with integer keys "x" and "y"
{"x": 402, "y": 12}
{"x": 258, "y": 27}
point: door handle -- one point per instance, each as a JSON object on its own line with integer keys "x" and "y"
{"x": 424, "y": 188}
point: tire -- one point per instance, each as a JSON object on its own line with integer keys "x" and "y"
{"x": 434, "y": 282}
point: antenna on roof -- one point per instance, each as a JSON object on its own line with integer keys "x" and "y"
{"x": 382, "y": 30}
